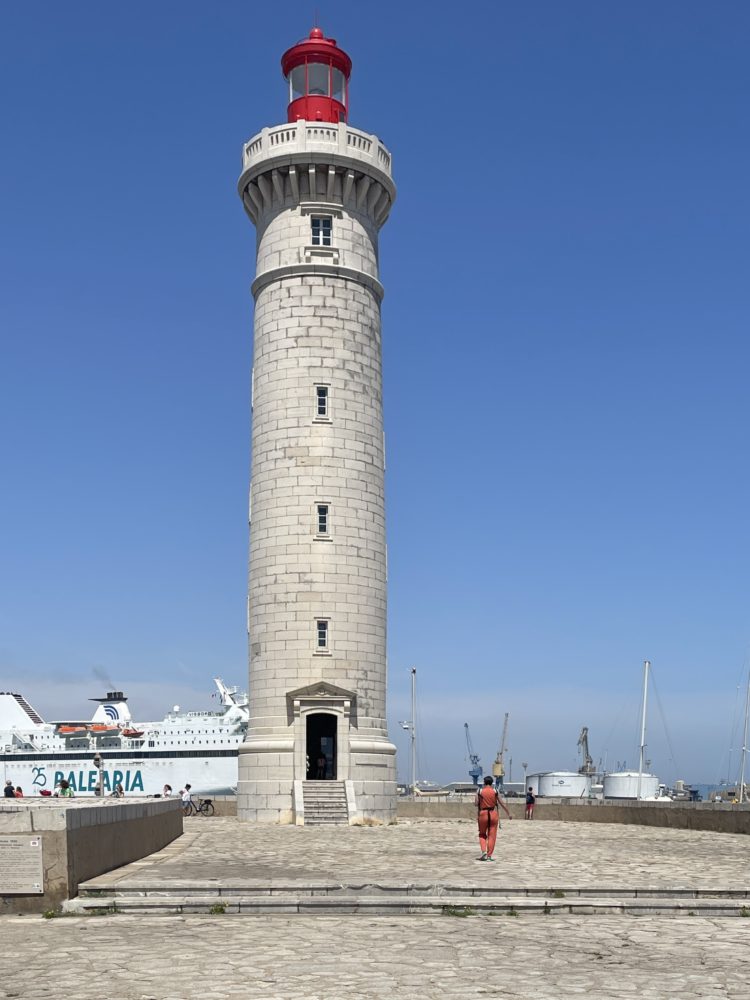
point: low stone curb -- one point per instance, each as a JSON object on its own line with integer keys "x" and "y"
{"x": 226, "y": 889}
{"x": 449, "y": 905}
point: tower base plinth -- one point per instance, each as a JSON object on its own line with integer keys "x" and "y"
{"x": 268, "y": 792}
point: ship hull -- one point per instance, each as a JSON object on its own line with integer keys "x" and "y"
{"x": 141, "y": 773}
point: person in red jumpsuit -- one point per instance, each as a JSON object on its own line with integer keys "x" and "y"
{"x": 488, "y": 817}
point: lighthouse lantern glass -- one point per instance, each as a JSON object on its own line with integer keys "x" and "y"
{"x": 339, "y": 86}
{"x": 317, "y": 79}
{"x": 297, "y": 83}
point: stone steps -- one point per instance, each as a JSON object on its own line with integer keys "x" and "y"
{"x": 325, "y": 803}
{"x": 253, "y": 897}
{"x": 401, "y": 904}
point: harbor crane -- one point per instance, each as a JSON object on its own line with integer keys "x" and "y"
{"x": 498, "y": 768}
{"x": 475, "y": 771}
{"x": 587, "y": 767}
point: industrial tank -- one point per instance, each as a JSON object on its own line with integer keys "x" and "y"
{"x": 624, "y": 785}
{"x": 564, "y": 784}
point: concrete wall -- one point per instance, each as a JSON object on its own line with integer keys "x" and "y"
{"x": 81, "y": 839}
{"x": 225, "y": 805}
{"x": 720, "y": 817}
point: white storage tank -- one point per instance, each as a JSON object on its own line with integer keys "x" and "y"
{"x": 624, "y": 785}
{"x": 564, "y": 784}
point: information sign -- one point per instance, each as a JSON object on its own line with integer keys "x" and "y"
{"x": 21, "y": 869}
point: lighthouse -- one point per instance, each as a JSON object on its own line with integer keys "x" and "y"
{"x": 317, "y": 191}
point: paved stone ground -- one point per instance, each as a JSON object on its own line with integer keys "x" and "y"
{"x": 333, "y": 958}
{"x": 538, "y": 957}
{"x": 529, "y": 855}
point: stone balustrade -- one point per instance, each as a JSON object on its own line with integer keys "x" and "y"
{"x": 316, "y": 137}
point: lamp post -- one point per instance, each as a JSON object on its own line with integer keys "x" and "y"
{"x": 411, "y": 727}
{"x": 525, "y": 766}
{"x": 99, "y": 765}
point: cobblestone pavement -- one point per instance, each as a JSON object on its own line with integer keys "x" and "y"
{"x": 332, "y": 958}
{"x": 529, "y": 855}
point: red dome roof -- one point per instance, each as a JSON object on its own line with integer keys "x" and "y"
{"x": 316, "y": 48}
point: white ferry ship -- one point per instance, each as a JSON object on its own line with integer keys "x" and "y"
{"x": 196, "y": 747}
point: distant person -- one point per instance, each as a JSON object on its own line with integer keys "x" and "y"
{"x": 488, "y": 817}
{"x": 19, "y": 792}
{"x": 9, "y": 791}
{"x": 320, "y": 767}
{"x": 530, "y": 803}
{"x": 187, "y": 798}
{"x": 167, "y": 791}
{"x": 66, "y": 792}
{"x": 118, "y": 792}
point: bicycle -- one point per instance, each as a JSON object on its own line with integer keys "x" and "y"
{"x": 203, "y": 807}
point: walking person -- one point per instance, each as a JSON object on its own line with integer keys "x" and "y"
{"x": 187, "y": 800}
{"x": 530, "y": 802}
{"x": 488, "y": 817}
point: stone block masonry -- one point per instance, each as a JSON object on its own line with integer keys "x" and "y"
{"x": 317, "y": 578}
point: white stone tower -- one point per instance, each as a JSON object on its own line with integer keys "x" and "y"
{"x": 318, "y": 192}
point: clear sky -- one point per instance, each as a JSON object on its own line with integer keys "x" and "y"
{"x": 566, "y": 359}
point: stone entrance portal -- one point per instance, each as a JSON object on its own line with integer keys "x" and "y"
{"x": 321, "y": 746}
{"x": 322, "y": 716}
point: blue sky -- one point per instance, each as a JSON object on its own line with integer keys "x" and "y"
{"x": 566, "y": 359}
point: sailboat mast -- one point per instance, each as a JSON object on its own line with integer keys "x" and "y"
{"x": 414, "y": 732}
{"x": 646, "y": 665}
{"x": 744, "y": 741}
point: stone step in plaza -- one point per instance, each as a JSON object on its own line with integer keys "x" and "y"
{"x": 429, "y": 866}
{"x": 448, "y": 903}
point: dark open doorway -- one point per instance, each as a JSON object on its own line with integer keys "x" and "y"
{"x": 321, "y": 747}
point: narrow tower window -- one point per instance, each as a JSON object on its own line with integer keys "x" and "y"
{"x": 322, "y": 518}
{"x": 321, "y": 401}
{"x": 321, "y": 635}
{"x": 321, "y": 230}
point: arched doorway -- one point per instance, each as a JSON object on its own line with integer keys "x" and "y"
{"x": 321, "y": 746}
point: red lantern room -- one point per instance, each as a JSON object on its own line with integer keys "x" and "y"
{"x": 317, "y": 72}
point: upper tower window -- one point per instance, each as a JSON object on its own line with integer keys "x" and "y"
{"x": 322, "y": 227}
{"x": 321, "y": 402}
{"x": 321, "y": 635}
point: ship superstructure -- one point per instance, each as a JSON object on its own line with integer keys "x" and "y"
{"x": 198, "y": 747}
